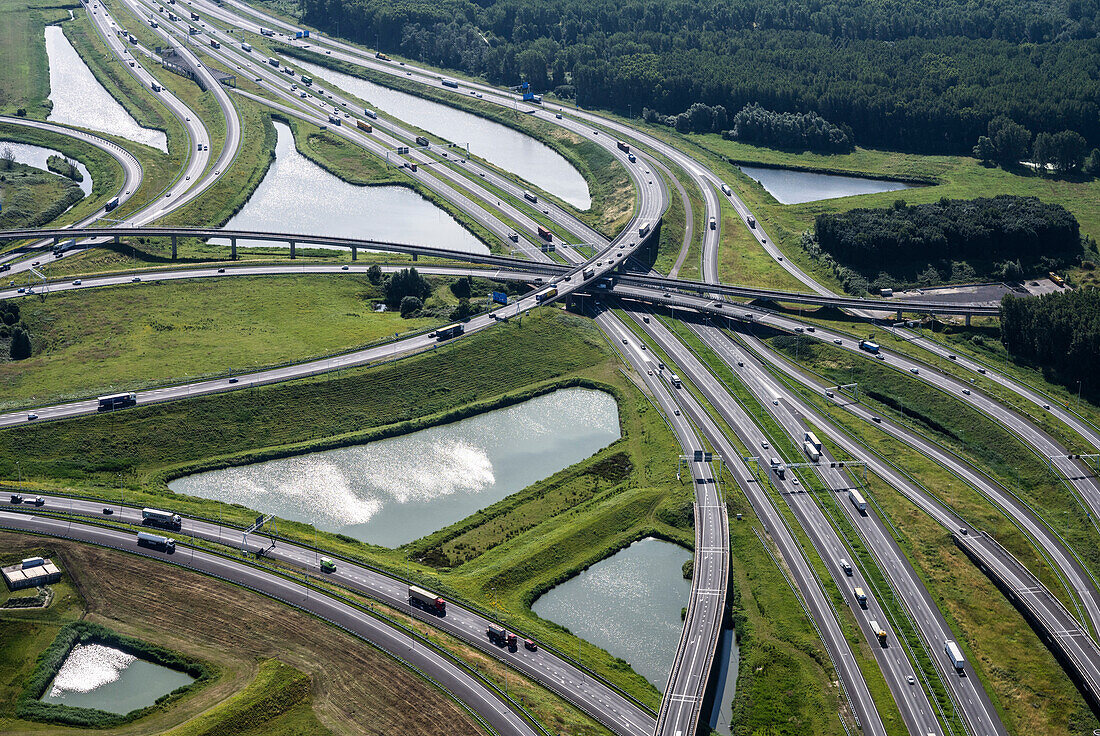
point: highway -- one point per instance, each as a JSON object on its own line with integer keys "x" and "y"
{"x": 416, "y": 654}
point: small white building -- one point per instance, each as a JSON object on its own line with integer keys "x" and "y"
{"x": 31, "y": 573}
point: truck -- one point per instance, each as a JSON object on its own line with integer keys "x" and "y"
{"x": 632, "y": 158}
{"x": 861, "y": 597}
{"x": 157, "y": 517}
{"x": 412, "y": 166}
{"x": 675, "y": 380}
{"x": 214, "y": 44}
{"x": 643, "y": 229}
{"x": 954, "y": 654}
{"x": 752, "y": 221}
{"x": 153, "y": 23}
{"x": 364, "y": 125}
{"x": 327, "y": 565}
{"x": 726, "y": 190}
{"x": 246, "y": 47}
{"x": 421, "y": 141}
{"x": 885, "y": 293}
{"x": 1058, "y": 280}
{"x": 192, "y": 31}
{"x": 116, "y": 401}
{"x": 382, "y": 57}
{"x": 812, "y": 439}
{"x": 133, "y": 39}
{"x": 879, "y": 632}
{"x": 274, "y": 62}
{"x": 846, "y": 567}
{"x": 428, "y": 601}
{"x": 546, "y": 296}
{"x": 713, "y": 224}
{"x": 778, "y": 468}
{"x": 501, "y": 636}
{"x": 870, "y": 347}
{"x": 266, "y": 31}
{"x": 450, "y": 83}
{"x": 545, "y": 234}
{"x": 529, "y": 196}
{"x": 857, "y": 500}
{"x": 366, "y": 111}
{"x": 63, "y": 246}
{"x": 622, "y": 146}
{"x": 111, "y": 204}
{"x": 301, "y": 34}
{"x": 154, "y": 86}
{"x": 156, "y": 541}
{"x": 811, "y": 452}
{"x": 446, "y": 333}
{"x": 194, "y": 16}
{"x": 334, "y": 120}
{"x": 588, "y": 273}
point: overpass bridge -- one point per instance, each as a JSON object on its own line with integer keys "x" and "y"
{"x": 962, "y": 309}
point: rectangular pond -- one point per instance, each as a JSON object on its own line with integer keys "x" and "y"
{"x": 628, "y": 604}
{"x": 393, "y": 491}
{"x": 105, "y": 678}
{"x": 789, "y": 186}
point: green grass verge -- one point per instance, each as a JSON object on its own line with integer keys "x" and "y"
{"x": 25, "y": 83}
{"x": 33, "y": 197}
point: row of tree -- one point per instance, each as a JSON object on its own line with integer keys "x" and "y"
{"x": 807, "y": 130}
{"x": 1007, "y": 143}
{"x": 910, "y": 84}
{"x": 979, "y": 230}
{"x": 16, "y": 333}
{"x": 1059, "y": 332}
{"x": 698, "y": 118}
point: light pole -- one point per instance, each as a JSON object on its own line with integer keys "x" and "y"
{"x": 1078, "y": 404}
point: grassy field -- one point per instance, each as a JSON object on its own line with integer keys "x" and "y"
{"x": 281, "y": 671}
{"x": 120, "y": 338}
{"x": 33, "y": 197}
{"x": 25, "y": 83}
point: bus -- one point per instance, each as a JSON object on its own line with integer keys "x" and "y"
{"x": 116, "y": 401}
{"x": 545, "y": 234}
{"x": 450, "y": 83}
{"x": 111, "y": 205}
{"x": 422, "y": 141}
{"x": 363, "y": 125}
{"x": 446, "y": 333}
{"x": 307, "y": 81}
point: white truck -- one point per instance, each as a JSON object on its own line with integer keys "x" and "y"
{"x": 156, "y": 541}
{"x": 954, "y": 654}
{"x": 857, "y": 500}
{"x": 811, "y": 452}
{"x": 156, "y": 517}
{"x": 812, "y": 439}
{"x": 861, "y": 597}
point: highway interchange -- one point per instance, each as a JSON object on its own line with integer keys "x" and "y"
{"x": 752, "y": 361}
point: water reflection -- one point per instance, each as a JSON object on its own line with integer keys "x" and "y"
{"x": 97, "y": 676}
{"x": 498, "y": 144}
{"x": 794, "y": 187}
{"x": 31, "y": 155}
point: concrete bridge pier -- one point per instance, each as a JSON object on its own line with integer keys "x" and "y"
{"x": 968, "y": 320}
{"x": 232, "y": 249}
{"x": 173, "y": 247}
{"x": 354, "y": 253}
{"x": 116, "y": 240}
{"x": 292, "y": 253}
{"x": 416, "y": 257}
{"x": 899, "y": 316}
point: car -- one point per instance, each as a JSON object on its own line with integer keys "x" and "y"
{"x": 16, "y": 498}
{"x": 966, "y": 392}
{"x": 77, "y": 282}
{"x": 530, "y": 645}
{"x": 624, "y": 343}
{"x": 718, "y": 305}
{"x": 234, "y": 379}
{"x": 740, "y": 364}
{"x": 676, "y": 412}
{"x": 795, "y": 481}
{"x": 838, "y": 342}
{"x": 982, "y": 371}
{"x": 408, "y": 74}
{"x": 189, "y": 120}
{"x": 107, "y": 510}
{"x": 30, "y": 289}
{"x": 221, "y": 270}
{"x": 558, "y": 116}
{"x": 302, "y": 95}
{"x": 914, "y": 371}
{"x": 910, "y": 680}
{"x": 650, "y": 372}
{"x": 36, "y": 263}
{"x": 880, "y": 356}
{"x": 748, "y": 315}
{"x": 31, "y": 416}
{"x": 216, "y": 173}
{"x": 811, "y": 329}
{"x": 166, "y": 196}
{"x": 135, "y": 279}
{"x": 595, "y": 132}
{"x": 799, "y": 329}
{"x": 21, "y": 290}
{"x": 343, "y": 268}
{"x": 951, "y": 357}
{"x": 765, "y": 445}
{"x": 36, "y": 501}
{"x": 830, "y": 394}
{"x": 876, "y": 419}
{"x": 1046, "y": 406}
{"x": 188, "y": 177}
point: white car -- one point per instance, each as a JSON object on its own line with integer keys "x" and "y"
{"x": 76, "y": 283}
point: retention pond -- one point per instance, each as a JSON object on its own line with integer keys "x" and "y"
{"x": 393, "y": 491}
{"x": 97, "y": 676}
{"x": 789, "y": 186}
{"x": 31, "y": 155}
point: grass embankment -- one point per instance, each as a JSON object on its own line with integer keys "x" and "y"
{"x": 106, "y": 173}
{"x": 32, "y": 197}
{"x": 674, "y": 224}
{"x": 322, "y": 677}
{"x": 955, "y": 177}
{"x": 612, "y": 192}
{"x": 25, "y": 83}
{"x": 128, "y": 337}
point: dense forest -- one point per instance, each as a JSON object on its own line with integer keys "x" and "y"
{"x": 954, "y": 239}
{"x": 806, "y": 130}
{"x": 920, "y": 75}
{"x": 1057, "y": 332}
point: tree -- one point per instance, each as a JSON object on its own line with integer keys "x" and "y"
{"x": 985, "y": 151}
{"x": 462, "y": 312}
{"x": 1069, "y": 151}
{"x": 8, "y": 157}
{"x": 410, "y": 305}
{"x": 20, "y": 344}
{"x": 374, "y": 274}
{"x": 1010, "y": 139}
{"x": 1092, "y": 163}
{"x": 406, "y": 282}
{"x": 461, "y": 288}
{"x": 1042, "y": 151}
